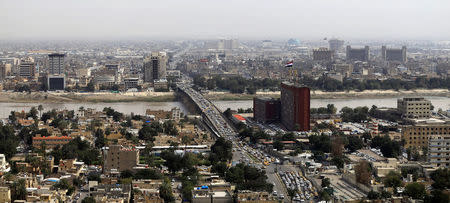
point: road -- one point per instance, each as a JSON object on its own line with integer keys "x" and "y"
{"x": 214, "y": 118}
{"x": 241, "y": 155}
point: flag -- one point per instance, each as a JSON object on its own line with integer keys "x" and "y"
{"x": 289, "y": 64}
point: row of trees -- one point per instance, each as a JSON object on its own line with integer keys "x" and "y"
{"x": 330, "y": 109}
{"x": 329, "y": 84}
{"x": 236, "y": 84}
{"x": 240, "y": 85}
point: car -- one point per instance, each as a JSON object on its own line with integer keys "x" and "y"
{"x": 274, "y": 193}
{"x": 281, "y": 196}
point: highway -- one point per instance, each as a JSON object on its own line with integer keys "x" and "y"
{"x": 214, "y": 118}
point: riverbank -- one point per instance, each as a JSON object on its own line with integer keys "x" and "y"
{"x": 97, "y": 97}
{"x": 108, "y": 97}
{"x": 318, "y": 94}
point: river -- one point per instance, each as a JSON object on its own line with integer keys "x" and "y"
{"x": 140, "y": 107}
{"x": 438, "y": 102}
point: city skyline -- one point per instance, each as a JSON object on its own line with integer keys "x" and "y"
{"x": 307, "y": 20}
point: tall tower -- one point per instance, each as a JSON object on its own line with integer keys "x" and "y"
{"x": 155, "y": 66}
{"x": 295, "y": 107}
{"x": 335, "y": 44}
{"x": 56, "y": 64}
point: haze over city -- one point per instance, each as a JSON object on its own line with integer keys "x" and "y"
{"x": 224, "y": 101}
{"x": 249, "y": 19}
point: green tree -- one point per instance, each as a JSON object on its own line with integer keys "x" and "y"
{"x": 354, "y": 143}
{"x": 325, "y": 182}
{"x": 18, "y": 190}
{"x": 90, "y": 86}
{"x": 221, "y": 150}
{"x": 165, "y": 192}
{"x": 385, "y": 194}
{"x": 393, "y": 179}
{"x": 88, "y": 200}
{"x": 437, "y": 196}
{"x": 372, "y": 195}
{"x": 441, "y": 178}
{"x": 415, "y": 190}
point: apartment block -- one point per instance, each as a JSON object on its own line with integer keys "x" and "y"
{"x": 414, "y": 107}
{"x": 439, "y": 150}
{"x": 419, "y": 134}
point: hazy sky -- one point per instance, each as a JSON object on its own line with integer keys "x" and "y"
{"x": 259, "y": 19}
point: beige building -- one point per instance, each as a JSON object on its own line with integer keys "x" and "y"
{"x": 418, "y": 134}
{"x": 414, "y": 107}
{"x": 155, "y": 66}
{"x": 120, "y": 158}
{"x": 5, "y": 194}
{"x": 382, "y": 168}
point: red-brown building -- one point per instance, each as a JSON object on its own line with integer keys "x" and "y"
{"x": 295, "y": 107}
{"x": 266, "y": 109}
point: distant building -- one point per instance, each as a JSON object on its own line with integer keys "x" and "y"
{"x": 335, "y": 44}
{"x": 323, "y": 54}
{"x": 414, "y": 107}
{"x": 120, "y": 158}
{"x": 27, "y": 69}
{"x": 295, "y": 107}
{"x": 293, "y": 42}
{"x": 113, "y": 67}
{"x": 266, "y": 109}
{"x": 227, "y": 44}
{"x": 357, "y": 54}
{"x": 131, "y": 83}
{"x": 5, "y": 70}
{"x": 56, "y": 64}
{"x": 155, "y": 66}
{"x": 56, "y": 82}
{"x": 50, "y": 141}
{"x": 390, "y": 54}
{"x": 161, "y": 85}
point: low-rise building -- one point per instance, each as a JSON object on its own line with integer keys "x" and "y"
{"x": 5, "y": 194}
{"x": 120, "y": 158}
{"x": 50, "y": 141}
{"x": 205, "y": 195}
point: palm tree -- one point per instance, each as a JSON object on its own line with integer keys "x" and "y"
{"x": 40, "y": 108}
{"x": 185, "y": 140}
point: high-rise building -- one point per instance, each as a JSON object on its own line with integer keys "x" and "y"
{"x": 295, "y": 107}
{"x": 266, "y": 109}
{"x": 27, "y": 68}
{"x": 391, "y": 54}
{"x": 335, "y": 44}
{"x": 5, "y": 70}
{"x": 357, "y": 54}
{"x": 155, "y": 66}
{"x": 322, "y": 54}
{"x": 227, "y": 44}
{"x": 414, "y": 107}
{"x": 56, "y": 64}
